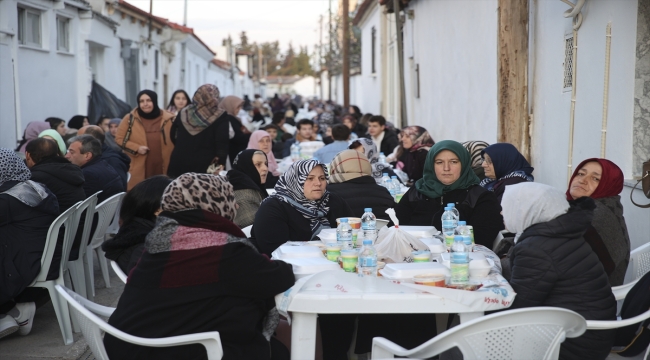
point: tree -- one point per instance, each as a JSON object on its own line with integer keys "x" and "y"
{"x": 273, "y": 60}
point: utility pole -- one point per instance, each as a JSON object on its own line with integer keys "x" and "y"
{"x": 400, "y": 62}
{"x": 150, "y": 19}
{"x": 346, "y": 54}
{"x": 329, "y": 58}
{"x": 320, "y": 57}
{"x": 185, "y": 15}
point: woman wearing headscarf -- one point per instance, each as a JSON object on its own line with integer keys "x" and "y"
{"x": 300, "y": 208}
{"x": 552, "y": 265}
{"x": 415, "y": 143}
{"x": 367, "y": 147}
{"x": 239, "y": 135}
{"x": 475, "y": 148}
{"x": 27, "y": 209}
{"x": 602, "y": 180}
{"x": 144, "y": 134}
{"x": 77, "y": 122}
{"x": 31, "y": 132}
{"x": 504, "y": 165}
{"x": 248, "y": 175}
{"x": 262, "y": 140}
{"x": 201, "y": 134}
{"x": 203, "y": 275}
{"x": 54, "y": 135}
{"x": 449, "y": 178}
{"x": 351, "y": 179}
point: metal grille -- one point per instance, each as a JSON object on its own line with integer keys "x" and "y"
{"x": 568, "y": 62}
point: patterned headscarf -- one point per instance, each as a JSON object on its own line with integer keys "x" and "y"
{"x": 203, "y": 111}
{"x": 12, "y": 168}
{"x": 256, "y": 136}
{"x": 475, "y": 148}
{"x": 348, "y": 165}
{"x": 208, "y": 192}
{"x": 370, "y": 150}
{"x": 420, "y": 138}
{"x": 290, "y": 189}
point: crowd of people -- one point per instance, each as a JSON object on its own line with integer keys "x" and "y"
{"x": 199, "y": 171}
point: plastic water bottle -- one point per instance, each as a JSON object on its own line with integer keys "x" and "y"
{"x": 396, "y": 186}
{"x": 295, "y": 151}
{"x": 344, "y": 234}
{"x": 391, "y": 189}
{"x": 459, "y": 262}
{"x": 384, "y": 180}
{"x": 369, "y": 225}
{"x": 382, "y": 158}
{"x": 454, "y": 210}
{"x": 368, "y": 259}
{"x": 449, "y": 224}
{"x": 463, "y": 231}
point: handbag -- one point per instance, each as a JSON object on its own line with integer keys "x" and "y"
{"x": 645, "y": 184}
{"x": 127, "y": 136}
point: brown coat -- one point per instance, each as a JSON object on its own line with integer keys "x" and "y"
{"x": 138, "y": 138}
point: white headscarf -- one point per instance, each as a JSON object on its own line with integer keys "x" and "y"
{"x": 529, "y": 203}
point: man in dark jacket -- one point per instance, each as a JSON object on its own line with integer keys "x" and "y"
{"x": 111, "y": 154}
{"x": 385, "y": 139}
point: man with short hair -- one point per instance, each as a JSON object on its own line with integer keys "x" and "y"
{"x": 85, "y": 151}
{"x": 278, "y": 120}
{"x": 385, "y": 139}
{"x": 111, "y": 153}
{"x": 341, "y": 135}
{"x": 304, "y": 132}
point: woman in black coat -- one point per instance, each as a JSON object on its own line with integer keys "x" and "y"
{"x": 351, "y": 179}
{"x": 200, "y": 134}
{"x": 138, "y": 213}
{"x": 552, "y": 264}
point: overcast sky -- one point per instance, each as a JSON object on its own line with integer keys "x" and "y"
{"x": 263, "y": 20}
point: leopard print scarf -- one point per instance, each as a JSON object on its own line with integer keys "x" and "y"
{"x": 208, "y": 192}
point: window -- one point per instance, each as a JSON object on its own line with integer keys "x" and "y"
{"x": 63, "y": 34}
{"x": 29, "y": 27}
{"x": 568, "y": 63}
{"x": 372, "y": 51}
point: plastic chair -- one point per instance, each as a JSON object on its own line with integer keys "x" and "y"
{"x": 69, "y": 219}
{"x": 531, "y": 333}
{"x": 106, "y": 213}
{"x": 247, "y": 230}
{"x": 85, "y": 312}
{"x": 639, "y": 265}
{"x": 118, "y": 271}
{"x": 76, "y": 267}
{"x": 615, "y": 324}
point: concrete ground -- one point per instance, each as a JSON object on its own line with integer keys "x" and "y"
{"x": 45, "y": 340}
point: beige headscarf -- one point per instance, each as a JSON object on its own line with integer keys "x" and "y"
{"x": 230, "y": 104}
{"x": 348, "y": 165}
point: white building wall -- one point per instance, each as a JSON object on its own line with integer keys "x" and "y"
{"x": 369, "y": 99}
{"x": 306, "y": 87}
{"x": 103, "y": 43}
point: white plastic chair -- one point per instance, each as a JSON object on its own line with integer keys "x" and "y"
{"x": 639, "y": 265}
{"x": 76, "y": 267}
{"x": 247, "y": 230}
{"x": 531, "y": 333}
{"x": 92, "y": 326}
{"x": 69, "y": 219}
{"x": 615, "y": 324}
{"x": 118, "y": 271}
{"x": 106, "y": 213}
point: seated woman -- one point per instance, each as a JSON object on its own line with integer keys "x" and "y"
{"x": 602, "y": 180}
{"x": 261, "y": 140}
{"x": 54, "y": 135}
{"x": 198, "y": 273}
{"x": 299, "y": 209}
{"x": 449, "y": 178}
{"x": 368, "y": 148}
{"x": 552, "y": 265}
{"x": 504, "y": 165}
{"x": 415, "y": 143}
{"x": 475, "y": 148}
{"x": 248, "y": 175}
{"x": 27, "y": 209}
{"x": 138, "y": 214}
{"x": 351, "y": 179}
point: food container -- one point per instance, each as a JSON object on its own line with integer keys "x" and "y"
{"x": 381, "y": 223}
{"x": 333, "y": 251}
{"x": 308, "y": 266}
{"x": 406, "y": 271}
{"x": 287, "y": 251}
{"x": 327, "y": 235}
{"x": 419, "y": 231}
{"x": 420, "y": 256}
{"x": 472, "y": 256}
{"x": 436, "y": 245}
{"x": 430, "y": 280}
{"x": 479, "y": 268}
{"x": 354, "y": 222}
{"x": 349, "y": 260}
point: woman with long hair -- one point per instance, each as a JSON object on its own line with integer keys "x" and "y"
{"x": 179, "y": 100}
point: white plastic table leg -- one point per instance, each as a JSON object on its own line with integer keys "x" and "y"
{"x": 465, "y": 317}
{"x": 303, "y": 336}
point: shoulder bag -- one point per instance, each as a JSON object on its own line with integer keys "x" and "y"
{"x": 645, "y": 184}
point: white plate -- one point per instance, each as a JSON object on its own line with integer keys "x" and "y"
{"x": 291, "y": 251}
{"x": 406, "y": 271}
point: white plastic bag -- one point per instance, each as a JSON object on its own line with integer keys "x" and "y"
{"x": 394, "y": 245}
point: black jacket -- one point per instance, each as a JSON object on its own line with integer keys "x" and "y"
{"x": 62, "y": 178}
{"x": 363, "y": 192}
{"x": 101, "y": 177}
{"x": 414, "y": 164}
{"x": 23, "y": 231}
{"x": 500, "y": 187}
{"x": 481, "y": 210}
{"x": 127, "y": 246}
{"x": 552, "y": 265}
{"x": 277, "y": 222}
{"x": 118, "y": 160}
{"x": 194, "y": 153}
{"x": 240, "y": 141}
{"x": 388, "y": 143}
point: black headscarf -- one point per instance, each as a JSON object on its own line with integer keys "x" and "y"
{"x": 244, "y": 174}
{"x": 155, "y": 113}
{"x": 76, "y": 122}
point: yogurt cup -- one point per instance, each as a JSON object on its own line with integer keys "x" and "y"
{"x": 421, "y": 256}
{"x": 333, "y": 251}
{"x": 354, "y": 222}
{"x": 349, "y": 259}
{"x": 429, "y": 280}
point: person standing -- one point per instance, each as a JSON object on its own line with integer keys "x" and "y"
{"x": 179, "y": 100}
{"x": 144, "y": 134}
{"x": 240, "y": 135}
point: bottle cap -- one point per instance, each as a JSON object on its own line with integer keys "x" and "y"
{"x": 344, "y": 220}
{"x": 446, "y": 208}
{"x": 367, "y": 242}
{"x": 367, "y": 209}
{"x": 451, "y": 205}
{"x": 458, "y": 238}
{"x": 385, "y": 174}
{"x": 381, "y": 153}
{"x": 393, "y": 177}
{"x": 461, "y": 222}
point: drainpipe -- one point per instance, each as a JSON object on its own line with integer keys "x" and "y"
{"x": 608, "y": 46}
{"x": 14, "y": 65}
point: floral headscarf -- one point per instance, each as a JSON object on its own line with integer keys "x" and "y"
{"x": 419, "y": 137}
{"x": 203, "y": 110}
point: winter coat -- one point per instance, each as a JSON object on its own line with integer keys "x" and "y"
{"x": 414, "y": 164}
{"x": 552, "y": 265}
{"x": 481, "y": 210}
{"x": 101, "y": 177}
{"x": 249, "y": 202}
{"x": 500, "y": 187}
{"x": 194, "y": 153}
{"x": 23, "y": 232}
{"x": 118, "y": 160}
{"x": 139, "y": 138}
{"x": 277, "y": 222}
{"x": 127, "y": 245}
{"x": 363, "y": 192}
{"x": 64, "y": 179}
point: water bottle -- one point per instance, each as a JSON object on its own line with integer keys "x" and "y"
{"x": 344, "y": 234}
{"x": 369, "y": 225}
{"x": 391, "y": 189}
{"x": 396, "y": 186}
{"x": 463, "y": 231}
{"x": 382, "y": 158}
{"x": 295, "y": 151}
{"x": 449, "y": 224}
{"x": 459, "y": 262}
{"x": 368, "y": 259}
{"x": 454, "y": 210}
{"x": 384, "y": 180}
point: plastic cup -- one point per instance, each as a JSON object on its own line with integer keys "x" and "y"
{"x": 333, "y": 252}
{"x": 430, "y": 280}
{"x": 421, "y": 256}
{"x": 398, "y": 197}
{"x": 349, "y": 259}
{"x": 355, "y": 238}
{"x": 355, "y": 222}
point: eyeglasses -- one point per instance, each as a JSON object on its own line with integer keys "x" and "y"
{"x": 487, "y": 161}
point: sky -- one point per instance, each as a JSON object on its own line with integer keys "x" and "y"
{"x": 263, "y": 20}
